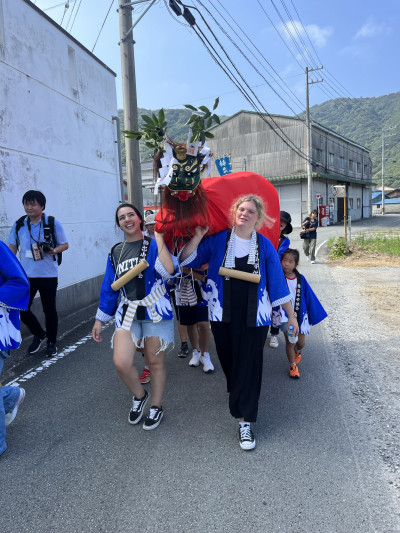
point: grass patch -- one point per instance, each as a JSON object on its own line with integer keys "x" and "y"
{"x": 388, "y": 244}
{"x": 368, "y": 244}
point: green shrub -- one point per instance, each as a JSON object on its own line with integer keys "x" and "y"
{"x": 338, "y": 248}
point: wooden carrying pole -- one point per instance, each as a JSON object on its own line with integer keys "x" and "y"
{"x": 238, "y": 274}
{"x": 132, "y": 273}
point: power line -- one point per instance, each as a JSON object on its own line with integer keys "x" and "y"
{"x": 102, "y": 26}
{"x": 73, "y": 22}
{"x": 217, "y": 58}
{"x": 247, "y": 59}
{"x": 260, "y": 53}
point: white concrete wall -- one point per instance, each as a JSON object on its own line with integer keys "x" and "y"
{"x": 56, "y": 135}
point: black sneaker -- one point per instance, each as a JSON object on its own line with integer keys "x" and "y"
{"x": 36, "y": 344}
{"x": 138, "y": 405}
{"x": 246, "y": 437}
{"x": 154, "y": 418}
{"x": 51, "y": 349}
{"x": 184, "y": 351}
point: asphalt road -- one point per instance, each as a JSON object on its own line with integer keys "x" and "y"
{"x": 74, "y": 464}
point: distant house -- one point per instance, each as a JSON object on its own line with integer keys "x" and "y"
{"x": 395, "y": 193}
{"x": 254, "y": 145}
{"x": 58, "y": 134}
{"x": 392, "y": 205}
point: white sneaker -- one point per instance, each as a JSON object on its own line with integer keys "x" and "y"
{"x": 11, "y": 416}
{"x": 246, "y": 437}
{"x": 313, "y": 262}
{"x": 273, "y": 342}
{"x": 308, "y": 257}
{"x": 195, "y": 360}
{"x": 206, "y": 362}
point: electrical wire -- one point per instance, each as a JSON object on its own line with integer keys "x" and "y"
{"x": 247, "y": 59}
{"x": 73, "y": 22}
{"x": 234, "y": 31}
{"x": 253, "y": 100}
{"x": 102, "y": 26}
{"x": 65, "y": 10}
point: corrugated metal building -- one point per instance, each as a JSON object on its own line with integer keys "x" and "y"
{"x": 267, "y": 148}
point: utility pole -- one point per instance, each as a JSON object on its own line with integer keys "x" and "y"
{"x": 133, "y": 170}
{"x": 308, "y": 137}
{"x": 383, "y": 163}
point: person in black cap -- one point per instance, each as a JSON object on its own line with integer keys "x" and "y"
{"x": 284, "y": 243}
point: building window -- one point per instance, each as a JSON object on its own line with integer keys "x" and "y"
{"x": 330, "y": 159}
{"x": 350, "y": 165}
{"x": 319, "y": 155}
{"x": 365, "y": 170}
{"x": 358, "y": 167}
{"x": 73, "y": 78}
{"x": 341, "y": 162}
{"x": 351, "y": 203}
{"x": 358, "y": 202}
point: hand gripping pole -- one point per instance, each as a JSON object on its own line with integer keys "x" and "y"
{"x": 132, "y": 273}
{"x": 238, "y": 274}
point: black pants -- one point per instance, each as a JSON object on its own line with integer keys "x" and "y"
{"x": 47, "y": 288}
{"x": 240, "y": 352}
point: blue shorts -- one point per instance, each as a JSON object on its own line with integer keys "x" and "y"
{"x": 164, "y": 330}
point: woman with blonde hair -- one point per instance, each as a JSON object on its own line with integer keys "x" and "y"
{"x": 240, "y": 300}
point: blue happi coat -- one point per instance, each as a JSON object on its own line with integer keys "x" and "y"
{"x": 311, "y": 311}
{"x": 272, "y": 289}
{"x": 14, "y": 297}
{"x": 155, "y": 276}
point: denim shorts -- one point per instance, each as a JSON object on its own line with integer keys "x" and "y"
{"x": 164, "y": 330}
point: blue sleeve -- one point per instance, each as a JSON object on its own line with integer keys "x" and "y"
{"x": 276, "y": 283}
{"x": 108, "y": 297}
{"x": 316, "y": 313}
{"x": 14, "y": 289}
{"x": 283, "y": 246}
{"x": 204, "y": 252}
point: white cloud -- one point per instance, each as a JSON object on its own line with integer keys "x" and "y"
{"x": 317, "y": 35}
{"x": 372, "y": 29}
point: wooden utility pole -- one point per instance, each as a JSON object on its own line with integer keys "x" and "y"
{"x": 133, "y": 170}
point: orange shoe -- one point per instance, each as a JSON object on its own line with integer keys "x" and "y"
{"x": 297, "y": 356}
{"x": 294, "y": 371}
{"x": 145, "y": 377}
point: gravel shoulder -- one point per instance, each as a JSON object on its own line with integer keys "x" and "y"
{"x": 365, "y": 312}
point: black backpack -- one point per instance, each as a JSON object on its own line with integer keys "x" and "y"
{"x": 49, "y": 225}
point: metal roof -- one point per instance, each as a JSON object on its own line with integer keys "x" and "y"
{"x": 331, "y": 177}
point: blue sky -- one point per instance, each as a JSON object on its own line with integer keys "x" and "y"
{"x": 356, "y": 41}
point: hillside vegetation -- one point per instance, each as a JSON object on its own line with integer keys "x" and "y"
{"x": 359, "y": 119}
{"x": 362, "y": 121}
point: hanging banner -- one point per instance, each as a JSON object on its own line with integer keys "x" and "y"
{"x": 223, "y": 165}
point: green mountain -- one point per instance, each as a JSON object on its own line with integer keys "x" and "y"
{"x": 359, "y": 119}
{"x": 362, "y": 120}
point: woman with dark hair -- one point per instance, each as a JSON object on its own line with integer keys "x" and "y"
{"x": 142, "y": 309}
{"x": 240, "y": 300}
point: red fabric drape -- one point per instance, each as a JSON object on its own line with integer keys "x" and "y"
{"x": 221, "y": 193}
